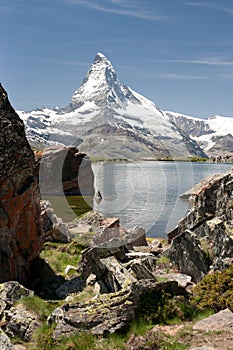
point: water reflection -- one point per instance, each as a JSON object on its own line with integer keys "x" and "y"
{"x": 147, "y": 193}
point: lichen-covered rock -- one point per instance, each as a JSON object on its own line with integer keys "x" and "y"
{"x": 20, "y": 225}
{"x": 109, "y": 312}
{"x": 10, "y": 292}
{"x": 21, "y": 323}
{"x": 5, "y": 343}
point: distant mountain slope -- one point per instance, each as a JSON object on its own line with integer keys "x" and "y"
{"x": 214, "y": 135}
{"x": 109, "y": 120}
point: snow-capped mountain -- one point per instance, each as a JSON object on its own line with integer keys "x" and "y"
{"x": 107, "y": 119}
{"x": 214, "y": 135}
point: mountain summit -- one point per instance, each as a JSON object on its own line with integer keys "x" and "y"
{"x": 107, "y": 119}
{"x": 102, "y": 86}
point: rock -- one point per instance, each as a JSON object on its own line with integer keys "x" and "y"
{"x": 114, "y": 275}
{"x": 90, "y": 260}
{"x": 108, "y": 313}
{"x": 21, "y": 323}
{"x": 182, "y": 279}
{"x": 205, "y": 234}
{"x": 20, "y": 225}
{"x": 198, "y": 187}
{"x": 66, "y": 171}
{"x": 99, "y": 288}
{"x": 221, "y": 321}
{"x": 115, "y": 266}
{"x": 141, "y": 269}
{"x": 155, "y": 247}
{"x": 5, "y": 343}
{"x": 187, "y": 256}
{"x": 91, "y": 279}
{"x": 136, "y": 237}
{"x": 69, "y": 268}
{"x": 54, "y": 229}
{"x": 10, "y": 292}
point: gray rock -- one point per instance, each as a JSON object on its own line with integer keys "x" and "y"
{"x": 5, "y": 343}
{"x": 108, "y": 313}
{"x": 207, "y": 229}
{"x": 187, "y": 256}
{"x": 21, "y": 323}
{"x": 221, "y": 321}
{"x": 114, "y": 275}
{"x": 54, "y": 229}
{"x": 100, "y": 288}
{"x": 182, "y": 279}
{"x": 64, "y": 170}
{"x": 10, "y": 292}
{"x": 91, "y": 279}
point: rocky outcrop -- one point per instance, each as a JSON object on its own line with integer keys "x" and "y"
{"x": 20, "y": 225}
{"x": 66, "y": 171}
{"x": 203, "y": 239}
{"x": 110, "y": 312}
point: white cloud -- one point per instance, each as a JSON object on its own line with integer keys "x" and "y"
{"x": 205, "y": 61}
{"x": 123, "y": 8}
{"x": 181, "y": 76}
{"x": 201, "y": 4}
{"x": 228, "y": 10}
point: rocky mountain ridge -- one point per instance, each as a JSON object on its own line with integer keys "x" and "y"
{"x": 214, "y": 135}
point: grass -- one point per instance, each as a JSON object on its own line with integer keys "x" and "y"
{"x": 39, "y": 306}
{"x": 163, "y": 262}
{"x": 58, "y": 255}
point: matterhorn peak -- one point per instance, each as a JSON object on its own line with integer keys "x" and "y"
{"x": 100, "y": 84}
{"x": 100, "y": 57}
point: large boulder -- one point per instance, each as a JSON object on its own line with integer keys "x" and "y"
{"x": 65, "y": 170}
{"x": 20, "y": 223}
{"x": 109, "y": 313}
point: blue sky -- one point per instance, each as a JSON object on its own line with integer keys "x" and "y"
{"x": 178, "y": 53}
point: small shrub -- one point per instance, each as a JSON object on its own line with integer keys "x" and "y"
{"x": 164, "y": 307}
{"x": 215, "y": 291}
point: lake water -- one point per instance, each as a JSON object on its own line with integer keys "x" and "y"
{"x": 147, "y": 193}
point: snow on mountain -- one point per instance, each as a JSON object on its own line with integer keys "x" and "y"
{"x": 110, "y": 120}
{"x": 214, "y": 135}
